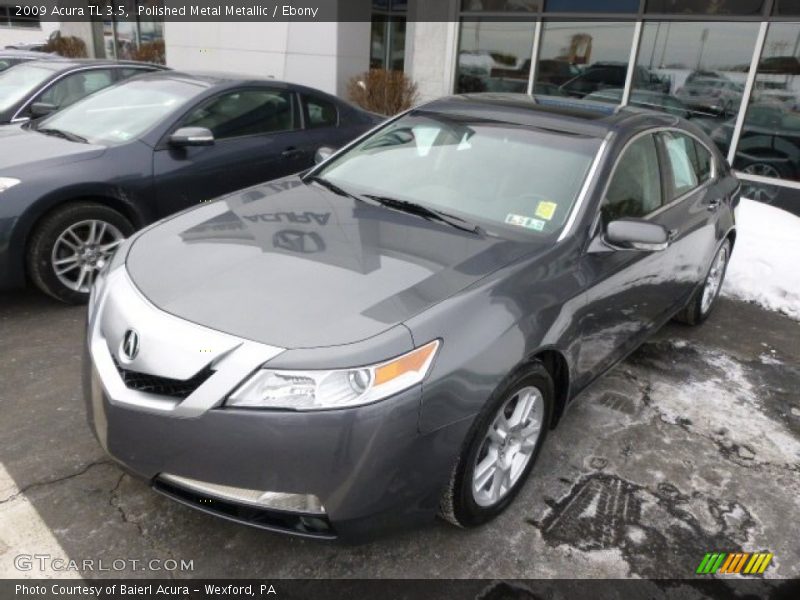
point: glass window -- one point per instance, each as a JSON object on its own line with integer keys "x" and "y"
{"x": 20, "y": 81}
{"x": 320, "y": 112}
{"x": 705, "y": 7}
{"x": 443, "y": 163}
{"x": 683, "y": 163}
{"x": 592, "y": 6}
{"x": 494, "y": 56}
{"x": 787, "y": 7}
{"x": 76, "y": 86}
{"x": 245, "y": 112}
{"x": 501, "y": 5}
{"x": 584, "y": 57}
{"x": 704, "y": 161}
{"x": 769, "y": 145}
{"x": 635, "y": 187}
{"x": 695, "y": 70}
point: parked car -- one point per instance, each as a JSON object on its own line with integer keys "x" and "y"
{"x": 38, "y": 88}
{"x": 9, "y": 58}
{"x": 644, "y": 99}
{"x": 395, "y": 332}
{"x": 769, "y": 146}
{"x": 76, "y": 183}
{"x": 720, "y": 96}
{"x": 603, "y": 75}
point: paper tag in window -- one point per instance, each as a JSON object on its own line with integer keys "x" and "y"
{"x": 546, "y": 209}
{"x": 526, "y": 222}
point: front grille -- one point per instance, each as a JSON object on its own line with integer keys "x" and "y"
{"x": 162, "y": 386}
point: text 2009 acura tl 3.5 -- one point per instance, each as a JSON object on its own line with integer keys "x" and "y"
{"x": 392, "y": 334}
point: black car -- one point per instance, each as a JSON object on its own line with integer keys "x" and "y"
{"x": 603, "y": 75}
{"x": 76, "y": 183}
{"x": 10, "y": 57}
{"x": 37, "y": 88}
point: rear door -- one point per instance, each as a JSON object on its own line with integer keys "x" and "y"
{"x": 693, "y": 197}
{"x": 628, "y": 291}
{"x": 257, "y": 135}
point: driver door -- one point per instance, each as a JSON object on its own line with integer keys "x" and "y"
{"x": 628, "y": 291}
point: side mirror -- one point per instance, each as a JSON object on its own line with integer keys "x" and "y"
{"x": 637, "y": 235}
{"x": 322, "y": 154}
{"x": 42, "y": 109}
{"x": 192, "y": 136}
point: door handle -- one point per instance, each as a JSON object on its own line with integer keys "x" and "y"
{"x": 291, "y": 152}
{"x": 714, "y": 204}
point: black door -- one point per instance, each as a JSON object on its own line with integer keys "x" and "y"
{"x": 257, "y": 136}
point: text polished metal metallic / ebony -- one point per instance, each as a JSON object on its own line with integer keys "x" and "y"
{"x": 393, "y": 335}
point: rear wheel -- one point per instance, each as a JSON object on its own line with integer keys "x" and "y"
{"x": 501, "y": 449}
{"x": 71, "y": 245}
{"x": 704, "y": 298}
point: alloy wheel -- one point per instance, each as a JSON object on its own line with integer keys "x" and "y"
{"x": 714, "y": 279}
{"x": 761, "y": 192}
{"x": 82, "y": 250}
{"x": 508, "y": 446}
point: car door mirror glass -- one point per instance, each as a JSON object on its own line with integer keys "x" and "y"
{"x": 629, "y": 234}
{"x": 323, "y": 154}
{"x": 42, "y": 109}
{"x": 192, "y": 136}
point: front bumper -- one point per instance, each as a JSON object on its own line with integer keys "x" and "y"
{"x": 369, "y": 466}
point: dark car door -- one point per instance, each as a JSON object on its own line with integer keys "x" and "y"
{"x": 257, "y": 137}
{"x": 628, "y": 291}
{"x": 693, "y": 195}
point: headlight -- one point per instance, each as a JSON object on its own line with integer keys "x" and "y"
{"x": 319, "y": 390}
{"x": 7, "y": 182}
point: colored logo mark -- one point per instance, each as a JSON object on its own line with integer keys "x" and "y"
{"x": 744, "y": 563}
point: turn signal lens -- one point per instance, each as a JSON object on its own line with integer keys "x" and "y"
{"x": 412, "y": 362}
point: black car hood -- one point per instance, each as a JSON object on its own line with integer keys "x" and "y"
{"x": 297, "y": 266}
{"x": 27, "y": 148}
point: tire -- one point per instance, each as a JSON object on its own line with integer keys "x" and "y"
{"x": 461, "y": 504}
{"x": 66, "y": 236}
{"x": 700, "y": 306}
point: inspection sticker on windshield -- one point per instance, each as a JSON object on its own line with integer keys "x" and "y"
{"x": 523, "y": 221}
{"x": 545, "y": 210}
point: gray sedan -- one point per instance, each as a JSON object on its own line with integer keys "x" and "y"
{"x": 391, "y": 335}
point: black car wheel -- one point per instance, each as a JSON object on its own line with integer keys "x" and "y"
{"x": 501, "y": 449}
{"x": 705, "y": 297}
{"x": 762, "y": 192}
{"x": 71, "y": 245}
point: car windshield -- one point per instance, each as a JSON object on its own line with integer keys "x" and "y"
{"x": 17, "y": 83}
{"x": 123, "y": 112}
{"x": 508, "y": 178}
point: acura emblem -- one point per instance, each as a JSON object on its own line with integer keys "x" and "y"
{"x": 130, "y": 344}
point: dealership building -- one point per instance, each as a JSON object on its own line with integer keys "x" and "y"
{"x": 732, "y": 66}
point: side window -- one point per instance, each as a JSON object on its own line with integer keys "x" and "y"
{"x": 245, "y": 112}
{"x": 321, "y": 113}
{"x": 76, "y": 86}
{"x": 635, "y": 187}
{"x": 690, "y": 163}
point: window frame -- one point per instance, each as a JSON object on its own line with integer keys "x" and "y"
{"x": 670, "y": 185}
{"x": 304, "y": 99}
{"x": 296, "y": 111}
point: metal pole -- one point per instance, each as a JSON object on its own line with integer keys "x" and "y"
{"x": 748, "y": 89}
{"x": 637, "y": 38}
{"x": 537, "y": 36}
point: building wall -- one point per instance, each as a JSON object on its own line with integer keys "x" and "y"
{"x": 25, "y": 35}
{"x": 431, "y": 40}
{"x": 321, "y": 55}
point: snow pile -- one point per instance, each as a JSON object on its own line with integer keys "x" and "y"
{"x": 765, "y": 267}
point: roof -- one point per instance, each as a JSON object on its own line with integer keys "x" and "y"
{"x": 570, "y": 115}
{"x": 60, "y": 63}
{"x": 32, "y": 54}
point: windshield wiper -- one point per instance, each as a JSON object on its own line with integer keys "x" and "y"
{"x": 331, "y": 186}
{"x": 67, "y": 135}
{"x": 427, "y": 213}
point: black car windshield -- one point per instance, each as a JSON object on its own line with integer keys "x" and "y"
{"x": 17, "y": 83}
{"x": 123, "y": 112}
{"x": 501, "y": 176}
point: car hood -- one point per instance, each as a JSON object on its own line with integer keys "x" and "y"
{"x": 30, "y": 149}
{"x": 297, "y": 266}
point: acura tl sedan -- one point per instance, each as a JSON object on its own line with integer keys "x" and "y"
{"x": 392, "y": 334}
{"x": 74, "y": 184}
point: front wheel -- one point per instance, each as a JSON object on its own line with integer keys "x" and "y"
{"x": 501, "y": 449}
{"x": 704, "y": 298}
{"x": 71, "y": 245}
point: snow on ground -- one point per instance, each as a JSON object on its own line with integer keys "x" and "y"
{"x": 765, "y": 267}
